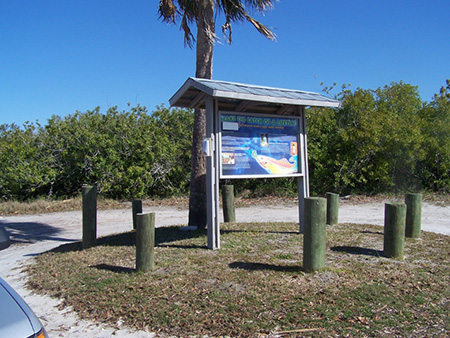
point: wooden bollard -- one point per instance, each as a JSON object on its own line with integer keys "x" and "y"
{"x": 394, "y": 230}
{"x": 332, "y": 208}
{"x": 314, "y": 239}
{"x": 136, "y": 206}
{"x": 229, "y": 214}
{"x": 145, "y": 242}
{"x": 89, "y": 203}
{"x": 413, "y": 215}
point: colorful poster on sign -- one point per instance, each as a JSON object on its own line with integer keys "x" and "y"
{"x": 259, "y": 146}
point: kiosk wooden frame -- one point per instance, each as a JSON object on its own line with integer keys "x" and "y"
{"x": 228, "y": 97}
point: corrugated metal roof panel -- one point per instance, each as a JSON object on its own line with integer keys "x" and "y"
{"x": 238, "y": 91}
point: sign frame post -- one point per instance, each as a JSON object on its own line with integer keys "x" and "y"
{"x": 212, "y": 176}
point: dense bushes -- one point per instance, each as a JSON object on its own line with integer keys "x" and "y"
{"x": 380, "y": 140}
{"x": 125, "y": 153}
{"x": 434, "y": 168}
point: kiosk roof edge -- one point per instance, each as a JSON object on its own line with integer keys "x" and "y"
{"x": 230, "y": 91}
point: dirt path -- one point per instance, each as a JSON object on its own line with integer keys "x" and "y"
{"x": 34, "y": 234}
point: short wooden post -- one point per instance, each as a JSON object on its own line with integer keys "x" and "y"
{"x": 137, "y": 209}
{"x": 89, "y": 203}
{"x": 229, "y": 214}
{"x": 332, "y": 208}
{"x": 394, "y": 230}
{"x": 145, "y": 242}
{"x": 314, "y": 239}
{"x": 413, "y": 215}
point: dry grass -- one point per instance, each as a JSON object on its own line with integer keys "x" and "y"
{"x": 254, "y": 285}
{"x": 46, "y": 206}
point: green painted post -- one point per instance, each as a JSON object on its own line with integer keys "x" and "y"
{"x": 89, "y": 203}
{"x": 332, "y": 208}
{"x": 413, "y": 215}
{"x": 145, "y": 242}
{"x": 229, "y": 214}
{"x": 137, "y": 209}
{"x": 314, "y": 238}
{"x": 394, "y": 230}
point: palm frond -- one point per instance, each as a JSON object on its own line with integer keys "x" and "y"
{"x": 260, "y": 5}
{"x": 235, "y": 11}
{"x": 188, "y": 36}
{"x": 167, "y": 11}
{"x": 261, "y": 28}
{"x": 226, "y": 27}
{"x": 187, "y": 9}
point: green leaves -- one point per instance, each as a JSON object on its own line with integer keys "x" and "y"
{"x": 434, "y": 170}
{"x": 26, "y": 170}
{"x": 379, "y": 140}
{"x": 127, "y": 154}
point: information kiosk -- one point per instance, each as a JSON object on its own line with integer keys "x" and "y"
{"x": 251, "y": 132}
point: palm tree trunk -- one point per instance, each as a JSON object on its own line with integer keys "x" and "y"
{"x": 205, "y": 49}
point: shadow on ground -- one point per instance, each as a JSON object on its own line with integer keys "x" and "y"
{"x": 163, "y": 237}
{"x": 354, "y": 250}
{"x": 113, "y": 268}
{"x": 249, "y": 266}
{"x": 32, "y": 232}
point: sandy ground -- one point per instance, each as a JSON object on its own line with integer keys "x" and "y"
{"x": 34, "y": 234}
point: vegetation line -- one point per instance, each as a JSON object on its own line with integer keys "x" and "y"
{"x": 380, "y": 141}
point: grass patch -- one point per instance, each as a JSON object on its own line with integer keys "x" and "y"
{"x": 254, "y": 285}
{"x": 43, "y": 205}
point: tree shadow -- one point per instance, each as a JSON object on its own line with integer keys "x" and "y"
{"x": 114, "y": 268}
{"x": 163, "y": 237}
{"x": 65, "y": 248}
{"x": 372, "y": 232}
{"x": 32, "y": 232}
{"x": 166, "y": 235}
{"x": 249, "y": 266}
{"x": 230, "y": 231}
{"x": 354, "y": 250}
{"x": 178, "y": 246}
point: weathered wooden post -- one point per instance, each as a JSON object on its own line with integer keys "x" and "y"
{"x": 89, "y": 203}
{"x": 136, "y": 206}
{"x": 332, "y": 208}
{"x": 314, "y": 238}
{"x": 413, "y": 215}
{"x": 145, "y": 242}
{"x": 229, "y": 214}
{"x": 394, "y": 230}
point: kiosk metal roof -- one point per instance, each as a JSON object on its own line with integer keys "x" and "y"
{"x": 233, "y": 96}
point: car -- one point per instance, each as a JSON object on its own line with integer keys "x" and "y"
{"x": 4, "y": 238}
{"x": 16, "y": 317}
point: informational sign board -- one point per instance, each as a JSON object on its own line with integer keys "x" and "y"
{"x": 255, "y": 146}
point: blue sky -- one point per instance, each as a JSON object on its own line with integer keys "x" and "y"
{"x": 59, "y": 56}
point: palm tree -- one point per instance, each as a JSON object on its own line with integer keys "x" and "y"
{"x": 203, "y": 14}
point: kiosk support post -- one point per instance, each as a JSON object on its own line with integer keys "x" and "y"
{"x": 212, "y": 178}
{"x": 303, "y": 181}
